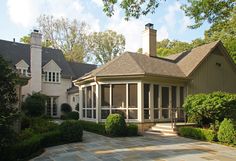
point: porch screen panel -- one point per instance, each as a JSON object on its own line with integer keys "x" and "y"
{"x": 89, "y": 97}
{"x": 146, "y": 101}
{"x": 83, "y": 93}
{"x": 173, "y": 96}
{"x": 156, "y": 98}
{"x": 132, "y": 97}
{"x": 94, "y": 102}
{"x": 105, "y": 95}
{"x": 165, "y": 102}
{"x": 181, "y": 93}
{"x": 118, "y": 95}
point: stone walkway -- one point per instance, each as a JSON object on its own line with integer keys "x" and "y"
{"x": 96, "y": 147}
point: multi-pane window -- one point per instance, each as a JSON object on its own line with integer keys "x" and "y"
{"x": 23, "y": 71}
{"x": 53, "y": 77}
{"x": 51, "y": 106}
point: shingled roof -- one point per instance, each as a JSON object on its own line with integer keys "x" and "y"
{"x": 178, "y": 65}
{"x": 14, "y": 52}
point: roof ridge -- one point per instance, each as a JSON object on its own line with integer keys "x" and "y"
{"x": 141, "y": 68}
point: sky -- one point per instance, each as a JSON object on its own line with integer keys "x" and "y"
{"x": 18, "y": 18}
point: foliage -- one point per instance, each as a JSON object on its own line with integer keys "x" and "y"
{"x": 105, "y": 46}
{"x": 40, "y": 125}
{"x": 131, "y": 8}
{"x": 214, "y": 11}
{"x": 72, "y": 115}
{"x": 51, "y": 138}
{"x": 97, "y": 128}
{"x": 197, "y": 133}
{"x": 7, "y": 136}
{"x": 132, "y": 130}
{"x": 115, "y": 125}
{"x": 71, "y": 131}
{"x": 66, "y": 108}
{"x": 208, "y": 108}
{"x": 227, "y": 133}
{"x": 26, "y": 133}
{"x": 34, "y": 105}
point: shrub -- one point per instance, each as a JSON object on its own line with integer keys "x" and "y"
{"x": 97, "y": 128}
{"x": 25, "y": 122}
{"x": 51, "y": 138}
{"x": 34, "y": 105}
{"x": 71, "y": 131}
{"x": 197, "y": 133}
{"x": 115, "y": 125}
{"x": 41, "y": 125}
{"x": 65, "y": 107}
{"x": 209, "y": 108}
{"x": 26, "y": 133}
{"x": 227, "y": 133}
{"x": 72, "y": 116}
{"x": 77, "y": 107}
{"x": 132, "y": 130}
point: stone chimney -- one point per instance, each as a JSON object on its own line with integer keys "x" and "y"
{"x": 36, "y": 61}
{"x": 149, "y": 40}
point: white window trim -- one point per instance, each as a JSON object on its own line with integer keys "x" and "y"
{"x": 46, "y": 77}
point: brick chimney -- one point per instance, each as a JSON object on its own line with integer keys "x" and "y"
{"x": 149, "y": 40}
{"x": 36, "y": 61}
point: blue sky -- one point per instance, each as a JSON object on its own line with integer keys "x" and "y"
{"x": 18, "y": 18}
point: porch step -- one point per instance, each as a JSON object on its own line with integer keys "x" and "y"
{"x": 164, "y": 129}
{"x": 160, "y": 133}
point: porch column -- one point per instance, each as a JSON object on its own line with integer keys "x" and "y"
{"x": 151, "y": 103}
{"x": 140, "y": 102}
{"x": 80, "y": 102}
{"x": 98, "y": 103}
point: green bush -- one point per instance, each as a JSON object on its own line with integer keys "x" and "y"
{"x": 197, "y": 133}
{"x": 25, "y": 122}
{"x": 34, "y": 105}
{"x": 71, "y": 131}
{"x": 227, "y": 133}
{"x": 132, "y": 130}
{"x": 72, "y": 116}
{"x": 51, "y": 138}
{"x": 26, "y": 133}
{"x": 115, "y": 125}
{"x": 65, "y": 107}
{"x": 97, "y": 128}
{"x": 77, "y": 107}
{"x": 206, "y": 109}
{"x": 40, "y": 125}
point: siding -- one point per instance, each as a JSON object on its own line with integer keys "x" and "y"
{"x": 210, "y": 77}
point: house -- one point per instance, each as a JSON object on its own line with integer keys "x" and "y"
{"x": 47, "y": 70}
{"x": 146, "y": 89}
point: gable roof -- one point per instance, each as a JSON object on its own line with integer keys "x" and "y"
{"x": 79, "y": 69}
{"x": 179, "y": 65}
{"x": 15, "y": 52}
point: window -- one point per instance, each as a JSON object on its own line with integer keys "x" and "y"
{"x": 89, "y": 102}
{"x": 53, "y": 77}
{"x": 51, "y": 106}
{"x": 119, "y": 95}
{"x": 146, "y": 101}
{"x": 23, "y": 71}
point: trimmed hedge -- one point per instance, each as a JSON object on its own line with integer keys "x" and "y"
{"x": 97, "y": 128}
{"x": 71, "y": 131}
{"x": 51, "y": 138}
{"x": 72, "y": 116}
{"x": 227, "y": 133}
{"x": 132, "y": 130}
{"x": 115, "y": 125}
{"x": 197, "y": 133}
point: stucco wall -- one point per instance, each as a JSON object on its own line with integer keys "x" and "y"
{"x": 214, "y": 74}
{"x": 73, "y": 99}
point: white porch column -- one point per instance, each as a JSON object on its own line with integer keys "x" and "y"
{"x": 80, "y": 102}
{"x": 151, "y": 103}
{"x": 140, "y": 102}
{"x": 98, "y": 103}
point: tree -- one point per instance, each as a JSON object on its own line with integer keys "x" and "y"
{"x": 68, "y": 36}
{"x": 8, "y": 113}
{"x": 105, "y": 46}
{"x": 213, "y": 11}
{"x": 131, "y": 8}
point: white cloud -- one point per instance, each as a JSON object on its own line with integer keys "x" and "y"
{"x": 99, "y": 3}
{"x": 162, "y": 33}
{"x": 132, "y": 29}
{"x": 25, "y": 12}
{"x": 170, "y": 17}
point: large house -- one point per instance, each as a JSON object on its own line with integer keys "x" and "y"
{"x": 145, "y": 88}
{"x": 47, "y": 71}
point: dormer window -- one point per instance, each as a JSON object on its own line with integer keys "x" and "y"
{"x": 53, "y": 77}
{"x": 23, "y": 71}
{"x": 22, "y": 67}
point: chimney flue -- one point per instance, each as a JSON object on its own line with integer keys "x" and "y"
{"x": 149, "y": 40}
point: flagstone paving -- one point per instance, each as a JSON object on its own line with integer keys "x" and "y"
{"x": 149, "y": 147}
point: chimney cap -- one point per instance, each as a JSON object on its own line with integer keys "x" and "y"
{"x": 149, "y": 26}
{"x": 35, "y": 30}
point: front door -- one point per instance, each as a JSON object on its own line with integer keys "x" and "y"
{"x": 165, "y": 99}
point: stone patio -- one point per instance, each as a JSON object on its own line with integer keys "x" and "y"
{"x": 149, "y": 147}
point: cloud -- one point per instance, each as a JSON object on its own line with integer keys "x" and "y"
{"x": 25, "y": 12}
{"x": 162, "y": 33}
{"x": 172, "y": 11}
{"x": 99, "y": 3}
{"x": 132, "y": 29}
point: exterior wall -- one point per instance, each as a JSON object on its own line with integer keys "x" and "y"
{"x": 210, "y": 77}
{"x": 57, "y": 90}
{"x": 73, "y": 100}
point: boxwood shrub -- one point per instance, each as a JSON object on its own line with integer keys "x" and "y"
{"x": 132, "y": 130}
{"x": 115, "y": 125}
{"x": 71, "y": 131}
{"x": 227, "y": 133}
{"x": 51, "y": 138}
{"x": 97, "y": 128}
{"x": 197, "y": 133}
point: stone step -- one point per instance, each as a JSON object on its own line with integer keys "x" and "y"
{"x": 160, "y": 133}
{"x": 156, "y": 128}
